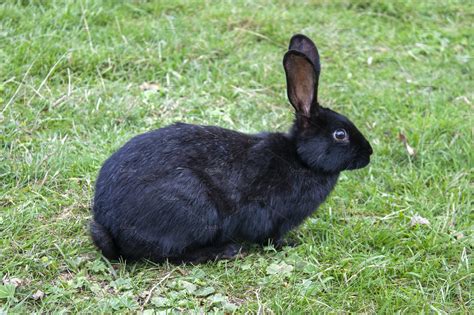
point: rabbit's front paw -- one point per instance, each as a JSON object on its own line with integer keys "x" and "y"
{"x": 282, "y": 242}
{"x": 231, "y": 251}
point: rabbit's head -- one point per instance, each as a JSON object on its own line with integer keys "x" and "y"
{"x": 326, "y": 141}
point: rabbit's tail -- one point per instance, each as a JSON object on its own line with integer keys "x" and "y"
{"x": 103, "y": 240}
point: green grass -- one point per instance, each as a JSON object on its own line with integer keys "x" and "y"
{"x": 70, "y": 76}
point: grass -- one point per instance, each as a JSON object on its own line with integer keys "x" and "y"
{"x": 70, "y": 76}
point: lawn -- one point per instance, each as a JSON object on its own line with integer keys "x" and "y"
{"x": 79, "y": 78}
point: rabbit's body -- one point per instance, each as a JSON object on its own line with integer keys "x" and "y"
{"x": 255, "y": 191}
{"x": 194, "y": 193}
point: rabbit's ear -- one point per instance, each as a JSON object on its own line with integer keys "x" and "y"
{"x": 302, "y": 69}
{"x": 301, "y": 83}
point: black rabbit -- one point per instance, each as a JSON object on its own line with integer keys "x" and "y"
{"x": 188, "y": 193}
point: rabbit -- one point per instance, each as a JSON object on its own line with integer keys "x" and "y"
{"x": 191, "y": 194}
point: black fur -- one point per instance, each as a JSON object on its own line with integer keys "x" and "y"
{"x": 189, "y": 193}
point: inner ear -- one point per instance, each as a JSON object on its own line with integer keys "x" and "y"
{"x": 301, "y": 82}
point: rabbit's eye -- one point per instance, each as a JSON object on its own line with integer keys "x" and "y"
{"x": 340, "y": 135}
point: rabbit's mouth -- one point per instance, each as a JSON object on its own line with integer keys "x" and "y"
{"x": 359, "y": 163}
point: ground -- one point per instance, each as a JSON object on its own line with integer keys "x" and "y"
{"x": 79, "y": 78}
